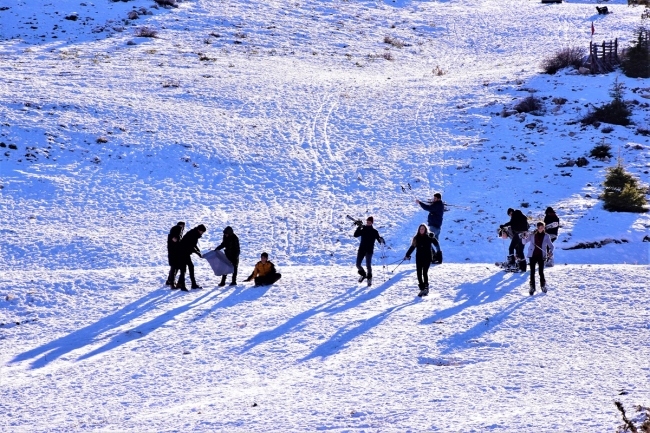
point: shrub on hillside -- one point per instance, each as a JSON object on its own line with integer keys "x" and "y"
{"x": 566, "y": 57}
{"x": 601, "y": 151}
{"x": 146, "y": 32}
{"x": 530, "y": 104}
{"x": 615, "y": 112}
{"x": 636, "y": 61}
{"x": 622, "y": 191}
{"x": 171, "y": 3}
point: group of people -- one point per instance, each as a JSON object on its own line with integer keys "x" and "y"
{"x": 425, "y": 243}
{"x": 540, "y": 243}
{"x": 181, "y": 247}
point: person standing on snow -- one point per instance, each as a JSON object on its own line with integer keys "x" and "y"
{"x": 173, "y": 243}
{"x": 231, "y": 243}
{"x": 538, "y": 244}
{"x": 552, "y": 223}
{"x": 552, "y": 226}
{"x": 368, "y": 235}
{"x": 421, "y": 243}
{"x": 264, "y": 273}
{"x": 436, "y": 208}
{"x": 518, "y": 225}
{"x": 189, "y": 246}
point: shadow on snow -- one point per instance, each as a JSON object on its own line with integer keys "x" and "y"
{"x": 90, "y": 334}
{"x": 345, "y": 301}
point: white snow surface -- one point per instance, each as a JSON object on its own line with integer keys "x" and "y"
{"x": 280, "y": 118}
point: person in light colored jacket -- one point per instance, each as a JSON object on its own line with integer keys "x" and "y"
{"x": 539, "y": 243}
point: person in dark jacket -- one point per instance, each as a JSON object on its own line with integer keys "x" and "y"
{"x": 539, "y": 247}
{"x": 436, "y": 209}
{"x": 552, "y": 223}
{"x": 421, "y": 243}
{"x": 173, "y": 243}
{"x": 368, "y": 235}
{"x": 189, "y": 246}
{"x": 552, "y": 226}
{"x": 518, "y": 225}
{"x": 231, "y": 243}
{"x": 264, "y": 273}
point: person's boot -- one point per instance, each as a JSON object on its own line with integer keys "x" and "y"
{"x": 543, "y": 286}
{"x": 369, "y": 277}
{"x": 194, "y": 285}
{"x": 362, "y": 276}
{"x": 532, "y": 288}
{"x": 511, "y": 259}
{"x": 173, "y": 286}
{"x": 223, "y": 281}
{"x": 181, "y": 285}
{"x": 233, "y": 283}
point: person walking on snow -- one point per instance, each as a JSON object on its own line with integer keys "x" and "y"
{"x": 368, "y": 235}
{"x": 231, "y": 243}
{"x": 189, "y": 246}
{"x": 518, "y": 225}
{"x": 264, "y": 273}
{"x": 421, "y": 243}
{"x": 436, "y": 209}
{"x": 538, "y": 243}
{"x": 173, "y": 243}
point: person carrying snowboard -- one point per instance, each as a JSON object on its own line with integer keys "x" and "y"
{"x": 264, "y": 273}
{"x": 518, "y": 225}
{"x": 421, "y": 243}
{"x": 538, "y": 244}
{"x": 189, "y": 246}
{"x": 436, "y": 208}
{"x": 173, "y": 243}
{"x": 368, "y": 235}
{"x": 231, "y": 243}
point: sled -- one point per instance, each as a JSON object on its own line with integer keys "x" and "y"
{"x": 219, "y": 262}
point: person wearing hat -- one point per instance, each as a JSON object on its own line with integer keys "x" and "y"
{"x": 189, "y": 246}
{"x": 173, "y": 243}
{"x": 368, "y": 235}
{"x": 436, "y": 209}
{"x": 231, "y": 243}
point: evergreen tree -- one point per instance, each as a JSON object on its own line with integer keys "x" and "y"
{"x": 636, "y": 63}
{"x": 622, "y": 191}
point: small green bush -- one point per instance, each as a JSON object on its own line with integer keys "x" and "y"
{"x": 615, "y": 112}
{"x": 622, "y": 191}
{"x": 601, "y": 151}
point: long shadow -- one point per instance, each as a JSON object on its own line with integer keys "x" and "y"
{"x": 343, "y": 336}
{"x": 460, "y": 339}
{"x": 237, "y": 296}
{"x": 87, "y": 335}
{"x": 334, "y": 305}
{"x": 480, "y": 293}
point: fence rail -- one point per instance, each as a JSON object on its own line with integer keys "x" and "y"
{"x": 603, "y": 58}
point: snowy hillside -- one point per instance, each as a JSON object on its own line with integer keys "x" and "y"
{"x": 279, "y": 119}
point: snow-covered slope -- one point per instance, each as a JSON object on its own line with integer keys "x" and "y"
{"x": 280, "y": 118}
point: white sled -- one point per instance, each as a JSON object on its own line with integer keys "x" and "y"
{"x": 219, "y": 262}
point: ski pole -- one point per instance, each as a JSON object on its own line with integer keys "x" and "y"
{"x": 400, "y": 263}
